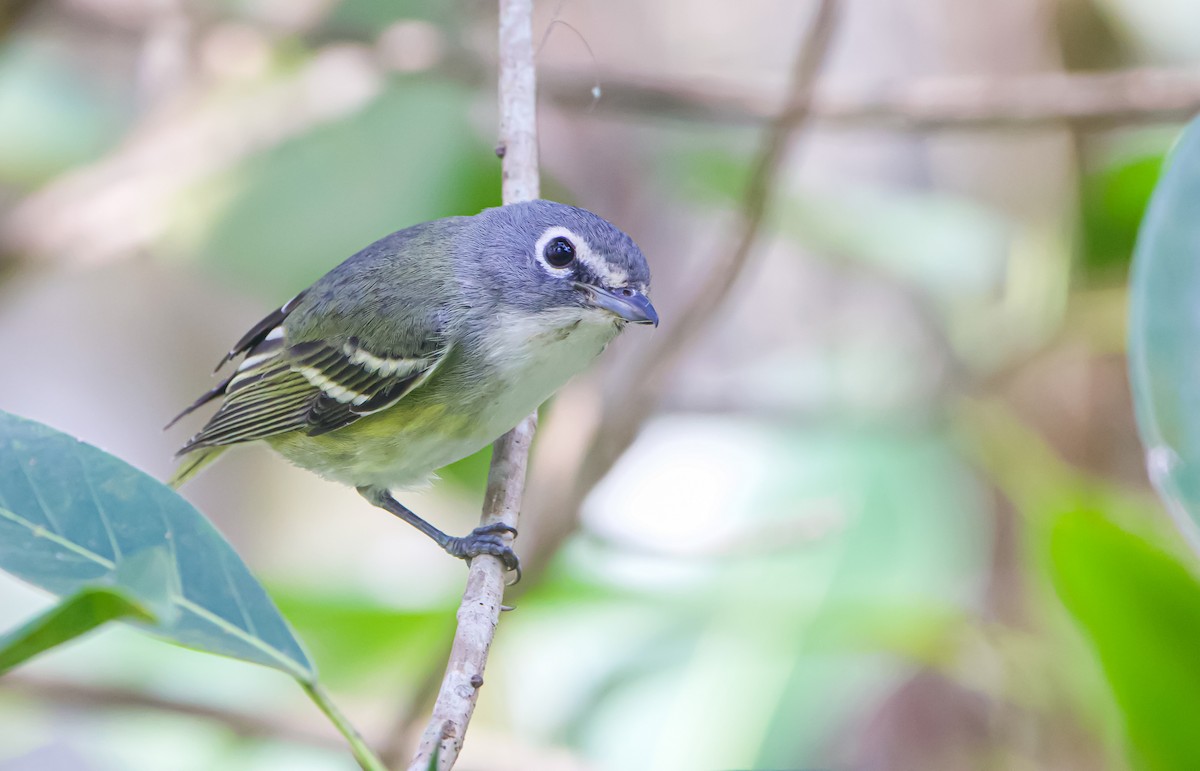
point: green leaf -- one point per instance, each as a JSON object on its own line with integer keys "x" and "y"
{"x": 76, "y": 615}
{"x": 275, "y": 230}
{"x": 74, "y": 517}
{"x": 1114, "y": 202}
{"x": 1141, "y": 610}
{"x": 1164, "y": 333}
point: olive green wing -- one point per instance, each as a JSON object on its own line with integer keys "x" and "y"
{"x": 314, "y": 386}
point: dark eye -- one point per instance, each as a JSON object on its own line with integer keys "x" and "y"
{"x": 559, "y": 252}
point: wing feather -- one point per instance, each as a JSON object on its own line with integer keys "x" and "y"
{"x": 310, "y": 386}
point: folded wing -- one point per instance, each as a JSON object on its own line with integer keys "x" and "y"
{"x": 314, "y": 386}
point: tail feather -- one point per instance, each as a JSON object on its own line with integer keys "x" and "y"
{"x": 192, "y": 463}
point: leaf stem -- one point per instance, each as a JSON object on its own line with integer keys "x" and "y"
{"x": 362, "y": 753}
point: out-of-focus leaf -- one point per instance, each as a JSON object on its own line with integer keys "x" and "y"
{"x": 947, "y": 246}
{"x": 74, "y": 517}
{"x": 1114, "y": 201}
{"x": 74, "y": 616}
{"x": 1141, "y": 610}
{"x": 710, "y": 175}
{"x": 921, "y": 633}
{"x": 306, "y": 205}
{"x": 1164, "y": 334}
{"x": 360, "y": 638}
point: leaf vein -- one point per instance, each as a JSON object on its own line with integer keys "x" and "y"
{"x": 87, "y": 477}
{"x": 41, "y": 532}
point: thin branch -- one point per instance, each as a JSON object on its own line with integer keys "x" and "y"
{"x": 106, "y": 697}
{"x": 1036, "y": 100}
{"x": 482, "y": 600}
{"x": 622, "y": 419}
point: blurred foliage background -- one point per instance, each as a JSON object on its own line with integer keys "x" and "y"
{"x": 891, "y": 512}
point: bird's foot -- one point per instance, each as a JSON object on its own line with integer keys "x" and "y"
{"x": 488, "y": 539}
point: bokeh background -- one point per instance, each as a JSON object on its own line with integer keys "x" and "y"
{"x": 832, "y": 544}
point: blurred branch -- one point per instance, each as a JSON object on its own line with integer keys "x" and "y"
{"x": 620, "y": 422}
{"x": 126, "y": 201}
{"x": 105, "y": 697}
{"x": 481, "y": 604}
{"x": 1090, "y": 99}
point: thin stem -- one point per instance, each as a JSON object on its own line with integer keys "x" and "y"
{"x": 362, "y": 753}
{"x": 483, "y": 598}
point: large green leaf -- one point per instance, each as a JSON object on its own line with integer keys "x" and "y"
{"x": 409, "y": 156}
{"x": 1141, "y": 609}
{"x": 1164, "y": 333}
{"x": 73, "y": 517}
{"x": 76, "y": 615}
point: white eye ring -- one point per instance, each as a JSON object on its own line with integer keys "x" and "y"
{"x": 581, "y": 251}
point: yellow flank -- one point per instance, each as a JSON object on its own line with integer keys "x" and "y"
{"x": 398, "y": 447}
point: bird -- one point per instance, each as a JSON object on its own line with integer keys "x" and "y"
{"x": 424, "y": 347}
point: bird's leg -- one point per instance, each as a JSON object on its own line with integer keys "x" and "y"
{"x": 488, "y": 539}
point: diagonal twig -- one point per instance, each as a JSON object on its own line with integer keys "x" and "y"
{"x": 621, "y": 420}
{"x": 481, "y": 604}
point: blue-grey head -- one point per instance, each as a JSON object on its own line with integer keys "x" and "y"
{"x": 548, "y": 256}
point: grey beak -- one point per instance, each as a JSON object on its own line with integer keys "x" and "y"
{"x": 628, "y": 304}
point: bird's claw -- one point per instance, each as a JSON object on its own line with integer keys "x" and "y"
{"x": 488, "y": 539}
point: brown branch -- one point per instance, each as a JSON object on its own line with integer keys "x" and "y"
{"x": 622, "y": 420}
{"x": 106, "y": 697}
{"x": 481, "y": 604}
{"x": 1083, "y": 99}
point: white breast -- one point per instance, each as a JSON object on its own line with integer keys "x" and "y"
{"x": 535, "y": 356}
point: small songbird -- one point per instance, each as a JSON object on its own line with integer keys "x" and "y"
{"x": 426, "y": 346}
